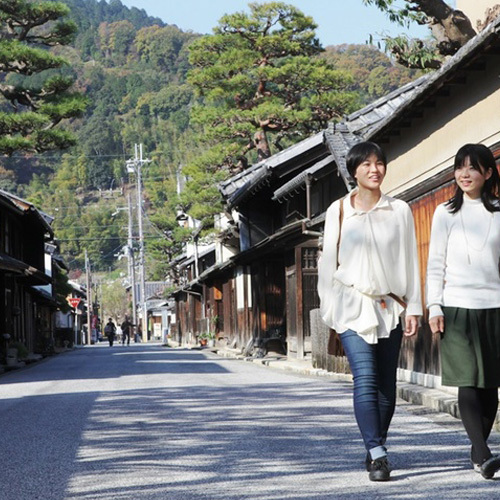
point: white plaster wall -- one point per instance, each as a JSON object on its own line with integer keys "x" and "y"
{"x": 470, "y": 114}
{"x": 475, "y": 9}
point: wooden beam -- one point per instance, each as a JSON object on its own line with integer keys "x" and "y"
{"x": 459, "y": 80}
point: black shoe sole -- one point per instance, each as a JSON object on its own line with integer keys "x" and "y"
{"x": 379, "y": 476}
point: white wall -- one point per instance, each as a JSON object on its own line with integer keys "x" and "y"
{"x": 475, "y": 9}
{"x": 469, "y": 114}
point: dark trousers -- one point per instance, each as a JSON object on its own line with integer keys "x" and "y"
{"x": 126, "y": 335}
{"x": 373, "y": 367}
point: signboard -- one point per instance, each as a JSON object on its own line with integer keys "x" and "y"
{"x": 74, "y": 301}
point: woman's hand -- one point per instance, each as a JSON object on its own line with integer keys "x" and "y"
{"x": 411, "y": 325}
{"x": 437, "y": 324}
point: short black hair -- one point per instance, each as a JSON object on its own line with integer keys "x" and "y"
{"x": 360, "y": 152}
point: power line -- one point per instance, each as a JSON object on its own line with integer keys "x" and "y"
{"x": 102, "y": 256}
{"x": 88, "y": 227}
{"x": 67, "y": 155}
{"x": 108, "y": 238}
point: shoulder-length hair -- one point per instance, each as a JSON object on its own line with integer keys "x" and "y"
{"x": 360, "y": 152}
{"x": 482, "y": 159}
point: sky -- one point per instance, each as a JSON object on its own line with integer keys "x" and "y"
{"x": 339, "y": 21}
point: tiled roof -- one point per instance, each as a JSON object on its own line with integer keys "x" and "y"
{"x": 300, "y": 179}
{"x": 239, "y": 185}
{"x": 26, "y": 207}
{"x": 231, "y": 185}
{"x": 339, "y": 138}
{"x": 363, "y": 121}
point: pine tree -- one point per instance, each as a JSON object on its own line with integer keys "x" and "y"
{"x": 261, "y": 83}
{"x": 36, "y": 83}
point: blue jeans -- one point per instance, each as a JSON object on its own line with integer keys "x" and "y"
{"x": 373, "y": 367}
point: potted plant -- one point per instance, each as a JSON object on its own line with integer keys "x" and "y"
{"x": 21, "y": 352}
{"x": 207, "y": 338}
{"x": 211, "y": 339}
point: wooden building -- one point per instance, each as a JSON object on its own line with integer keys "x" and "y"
{"x": 258, "y": 295}
{"x": 191, "y": 311}
{"x": 267, "y": 286}
{"x": 261, "y": 287}
{"x": 25, "y": 311}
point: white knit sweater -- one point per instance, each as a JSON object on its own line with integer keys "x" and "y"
{"x": 464, "y": 256}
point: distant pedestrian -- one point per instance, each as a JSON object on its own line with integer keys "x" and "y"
{"x": 110, "y": 331}
{"x": 138, "y": 334}
{"x": 463, "y": 296}
{"x": 368, "y": 275}
{"x": 126, "y": 327}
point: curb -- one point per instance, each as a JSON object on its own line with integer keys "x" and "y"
{"x": 433, "y": 399}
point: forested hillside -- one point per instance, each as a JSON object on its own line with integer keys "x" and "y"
{"x": 133, "y": 69}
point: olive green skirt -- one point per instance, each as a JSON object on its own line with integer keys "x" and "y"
{"x": 470, "y": 347}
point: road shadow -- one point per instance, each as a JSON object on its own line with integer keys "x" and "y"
{"x": 140, "y": 359}
{"x": 239, "y": 431}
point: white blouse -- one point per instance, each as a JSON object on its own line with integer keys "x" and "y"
{"x": 464, "y": 256}
{"x": 378, "y": 255}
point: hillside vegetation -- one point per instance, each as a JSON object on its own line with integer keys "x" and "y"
{"x": 133, "y": 70}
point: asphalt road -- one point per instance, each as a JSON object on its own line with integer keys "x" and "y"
{"x": 148, "y": 422}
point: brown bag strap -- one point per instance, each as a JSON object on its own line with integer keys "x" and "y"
{"x": 341, "y": 218}
{"x": 399, "y": 300}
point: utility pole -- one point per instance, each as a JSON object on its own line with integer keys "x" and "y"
{"x": 131, "y": 260}
{"x": 135, "y": 166}
{"x": 89, "y": 299}
{"x": 142, "y": 265}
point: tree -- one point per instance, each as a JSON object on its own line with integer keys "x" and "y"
{"x": 161, "y": 46}
{"x": 62, "y": 288}
{"x": 450, "y": 28}
{"x": 37, "y": 95}
{"x": 258, "y": 77}
{"x": 374, "y": 73}
{"x": 116, "y": 39}
{"x": 114, "y": 300}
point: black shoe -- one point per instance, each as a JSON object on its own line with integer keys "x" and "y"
{"x": 368, "y": 462}
{"x": 490, "y": 466}
{"x": 379, "y": 470}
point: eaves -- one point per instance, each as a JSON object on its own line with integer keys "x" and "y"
{"x": 25, "y": 207}
{"x": 289, "y": 159}
{"x": 452, "y": 72}
{"x": 271, "y": 243}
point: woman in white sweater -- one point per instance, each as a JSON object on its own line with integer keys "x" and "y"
{"x": 463, "y": 296}
{"x": 363, "y": 291}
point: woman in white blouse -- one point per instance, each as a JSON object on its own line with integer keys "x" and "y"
{"x": 364, "y": 290}
{"x": 463, "y": 296}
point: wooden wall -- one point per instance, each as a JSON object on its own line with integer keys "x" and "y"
{"x": 421, "y": 354}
